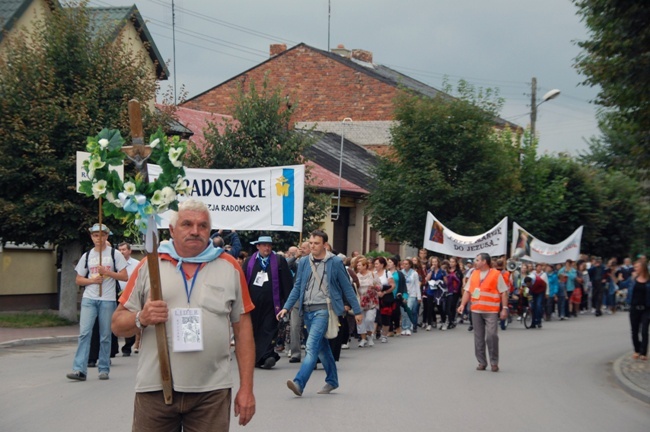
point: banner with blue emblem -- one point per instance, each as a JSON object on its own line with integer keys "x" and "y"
{"x": 263, "y": 199}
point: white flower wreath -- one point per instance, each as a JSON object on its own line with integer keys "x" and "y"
{"x": 135, "y": 201}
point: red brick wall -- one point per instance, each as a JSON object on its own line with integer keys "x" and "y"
{"x": 326, "y": 90}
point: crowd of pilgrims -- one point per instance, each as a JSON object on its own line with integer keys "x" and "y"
{"x": 400, "y": 297}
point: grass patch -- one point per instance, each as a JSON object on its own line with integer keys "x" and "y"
{"x": 30, "y": 320}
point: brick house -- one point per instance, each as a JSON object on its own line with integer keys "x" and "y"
{"x": 342, "y": 92}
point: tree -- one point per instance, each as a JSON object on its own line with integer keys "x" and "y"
{"x": 61, "y": 82}
{"x": 559, "y": 194}
{"x": 446, "y": 158}
{"x": 261, "y": 135}
{"x": 617, "y": 58}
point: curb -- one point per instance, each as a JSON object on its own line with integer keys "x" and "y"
{"x": 39, "y": 340}
{"x": 627, "y": 385}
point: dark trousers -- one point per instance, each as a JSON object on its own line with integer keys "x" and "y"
{"x": 597, "y": 301}
{"x": 538, "y": 301}
{"x": 128, "y": 344}
{"x": 452, "y": 305}
{"x": 429, "y": 311}
{"x": 639, "y": 322}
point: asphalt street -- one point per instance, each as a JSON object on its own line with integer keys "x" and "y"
{"x": 556, "y": 379}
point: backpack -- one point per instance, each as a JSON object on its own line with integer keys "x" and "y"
{"x": 112, "y": 257}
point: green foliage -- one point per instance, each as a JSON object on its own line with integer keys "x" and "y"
{"x": 132, "y": 202}
{"x": 32, "y": 320}
{"x": 615, "y": 58}
{"x": 60, "y": 83}
{"x": 261, "y": 135}
{"x": 448, "y": 159}
{"x": 560, "y": 193}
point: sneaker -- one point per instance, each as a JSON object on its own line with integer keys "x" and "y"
{"x": 92, "y": 364}
{"x": 371, "y": 341}
{"x": 289, "y": 353}
{"x": 327, "y": 389}
{"x": 429, "y": 327}
{"x": 294, "y": 387}
{"x": 384, "y": 339}
{"x": 345, "y": 346}
{"x": 126, "y": 354}
{"x": 470, "y": 328}
{"x": 408, "y": 333}
{"x": 363, "y": 343}
{"x": 103, "y": 376}
{"x": 77, "y": 376}
{"x": 443, "y": 327}
{"x": 403, "y": 333}
{"x": 136, "y": 350}
{"x": 294, "y": 360}
{"x": 451, "y": 326}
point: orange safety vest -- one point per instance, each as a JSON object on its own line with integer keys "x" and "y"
{"x": 489, "y": 298}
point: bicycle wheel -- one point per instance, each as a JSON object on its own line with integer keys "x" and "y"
{"x": 528, "y": 318}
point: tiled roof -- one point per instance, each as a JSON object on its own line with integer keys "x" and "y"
{"x": 196, "y": 121}
{"x": 324, "y": 179}
{"x": 358, "y": 163}
{"x": 12, "y": 10}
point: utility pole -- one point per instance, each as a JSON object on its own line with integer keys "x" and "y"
{"x": 533, "y": 107}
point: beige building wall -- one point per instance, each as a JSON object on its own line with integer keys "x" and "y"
{"x": 27, "y": 271}
{"x": 131, "y": 40}
{"x": 37, "y": 11}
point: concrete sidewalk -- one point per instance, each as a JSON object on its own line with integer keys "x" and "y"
{"x": 11, "y": 337}
{"x": 632, "y": 375}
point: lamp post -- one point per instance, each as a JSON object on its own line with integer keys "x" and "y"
{"x": 552, "y": 94}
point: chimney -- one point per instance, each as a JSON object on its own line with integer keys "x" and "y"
{"x": 362, "y": 55}
{"x": 276, "y": 49}
{"x": 342, "y": 51}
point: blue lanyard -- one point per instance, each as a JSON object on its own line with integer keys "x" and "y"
{"x": 264, "y": 262}
{"x": 188, "y": 290}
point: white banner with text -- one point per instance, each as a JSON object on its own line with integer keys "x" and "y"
{"x": 440, "y": 239}
{"x": 256, "y": 199}
{"x": 529, "y": 248}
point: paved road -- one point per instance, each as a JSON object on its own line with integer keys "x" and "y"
{"x": 555, "y": 379}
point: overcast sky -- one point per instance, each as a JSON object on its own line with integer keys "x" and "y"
{"x": 490, "y": 43}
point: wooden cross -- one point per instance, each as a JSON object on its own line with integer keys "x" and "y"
{"x": 138, "y": 153}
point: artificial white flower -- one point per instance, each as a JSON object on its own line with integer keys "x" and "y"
{"x": 157, "y": 199}
{"x": 129, "y": 188}
{"x": 174, "y": 154}
{"x": 115, "y": 201}
{"x": 182, "y": 187}
{"x": 169, "y": 196}
{"x": 103, "y": 143}
{"x": 99, "y": 188}
{"x": 154, "y": 143}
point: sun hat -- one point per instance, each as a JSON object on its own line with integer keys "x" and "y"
{"x": 96, "y": 228}
{"x": 263, "y": 239}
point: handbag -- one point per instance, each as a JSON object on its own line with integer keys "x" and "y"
{"x": 332, "y": 319}
{"x": 332, "y": 322}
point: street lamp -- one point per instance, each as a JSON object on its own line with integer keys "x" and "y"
{"x": 533, "y": 104}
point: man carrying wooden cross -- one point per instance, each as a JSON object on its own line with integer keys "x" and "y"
{"x": 204, "y": 291}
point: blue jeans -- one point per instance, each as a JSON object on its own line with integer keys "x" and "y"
{"x": 412, "y": 303}
{"x": 317, "y": 347}
{"x": 90, "y": 310}
{"x": 407, "y": 323}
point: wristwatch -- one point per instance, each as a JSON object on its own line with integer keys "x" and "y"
{"x": 138, "y": 324}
